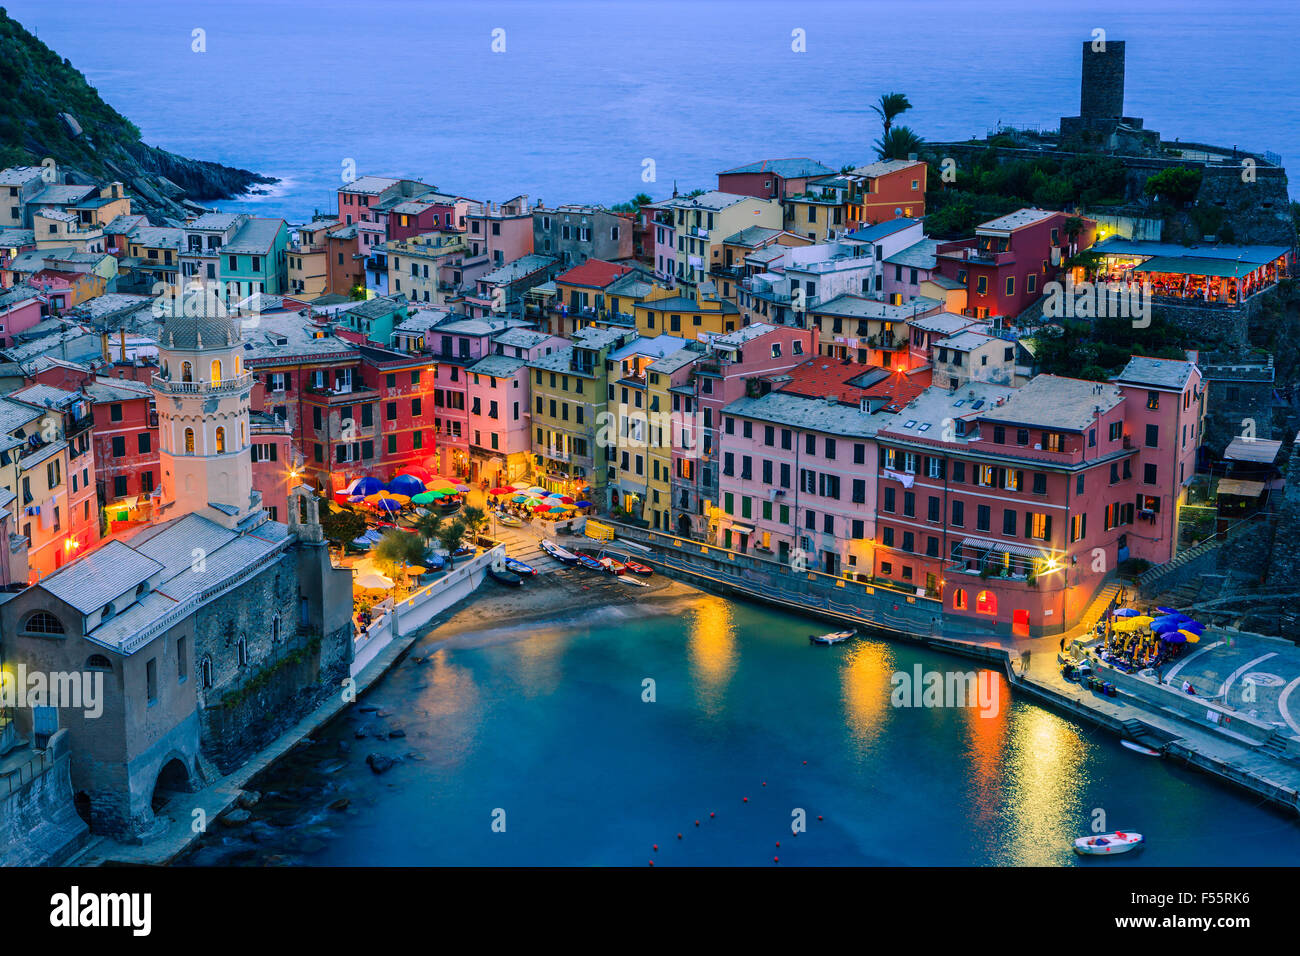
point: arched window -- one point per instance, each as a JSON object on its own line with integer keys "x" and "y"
{"x": 216, "y": 372}
{"x": 986, "y": 603}
{"x": 187, "y": 372}
{"x": 205, "y": 671}
{"x": 243, "y": 434}
{"x": 239, "y": 365}
{"x": 959, "y": 600}
{"x": 189, "y": 441}
{"x": 241, "y": 649}
{"x": 43, "y": 622}
{"x": 221, "y": 440}
{"x": 98, "y": 662}
{"x": 275, "y": 628}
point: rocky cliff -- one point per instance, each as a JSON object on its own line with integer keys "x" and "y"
{"x": 48, "y": 110}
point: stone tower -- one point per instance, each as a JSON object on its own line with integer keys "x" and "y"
{"x": 1101, "y": 89}
{"x": 202, "y": 395}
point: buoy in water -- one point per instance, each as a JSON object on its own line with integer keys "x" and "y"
{"x": 697, "y": 823}
{"x": 679, "y": 836}
{"x": 778, "y": 843}
{"x": 819, "y": 816}
{"x": 656, "y": 847}
{"x": 710, "y": 813}
{"x": 745, "y": 799}
{"x": 776, "y": 859}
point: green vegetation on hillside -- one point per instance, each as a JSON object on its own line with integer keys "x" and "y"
{"x": 1099, "y": 348}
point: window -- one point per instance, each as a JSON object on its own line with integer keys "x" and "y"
{"x": 144, "y": 443}
{"x": 1040, "y": 526}
{"x": 1149, "y": 474}
{"x": 189, "y": 441}
{"x": 119, "y": 446}
{"x": 1153, "y": 436}
{"x": 215, "y": 372}
{"x": 221, "y": 441}
{"x": 43, "y": 622}
{"x": 1078, "y": 527}
{"x": 115, "y": 412}
{"x": 959, "y": 599}
{"x": 1153, "y": 400}
{"x": 986, "y": 602}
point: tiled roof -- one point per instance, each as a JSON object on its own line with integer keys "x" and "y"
{"x": 882, "y": 229}
{"x": 595, "y": 273}
{"x": 812, "y": 414}
{"x": 850, "y": 382}
{"x": 93, "y": 580}
{"x": 497, "y": 366}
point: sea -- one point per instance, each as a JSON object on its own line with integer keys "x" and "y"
{"x": 599, "y": 100}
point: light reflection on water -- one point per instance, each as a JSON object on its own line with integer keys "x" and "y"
{"x": 550, "y": 722}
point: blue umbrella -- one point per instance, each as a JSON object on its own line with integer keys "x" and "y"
{"x": 388, "y": 504}
{"x": 365, "y": 485}
{"x": 1166, "y": 624}
{"x": 1173, "y": 637}
{"x": 1126, "y": 612}
{"x": 406, "y": 485}
{"x": 519, "y": 499}
{"x": 583, "y": 504}
{"x": 1194, "y": 626}
{"x": 1167, "y": 610}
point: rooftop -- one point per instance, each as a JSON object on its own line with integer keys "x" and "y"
{"x": 518, "y": 269}
{"x": 1017, "y": 220}
{"x": 850, "y": 382}
{"x": 1155, "y": 372}
{"x": 882, "y": 229}
{"x": 255, "y": 237}
{"x": 594, "y": 273}
{"x": 811, "y": 414}
{"x": 713, "y": 199}
{"x": 925, "y": 415}
{"x": 657, "y": 345}
{"x": 1052, "y": 401}
{"x": 369, "y": 185}
{"x": 796, "y": 168}
{"x": 855, "y": 306}
{"x": 497, "y": 366}
{"x": 884, "y": 167}
{"x": 919, "y": 255}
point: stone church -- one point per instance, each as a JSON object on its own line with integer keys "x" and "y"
{"x": 214, "y": 628}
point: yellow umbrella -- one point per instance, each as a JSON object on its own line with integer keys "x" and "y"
{"x": 384, "y": 495}
{"x": 1126, "y": 625}
{"x": 415, "y": 569}
{"x": 1192, "y": 636}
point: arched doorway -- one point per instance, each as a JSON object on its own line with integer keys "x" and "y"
{"x": 684, "y": 526}
{"x": 173, "y": 778}
{"x": 81, "y": 803}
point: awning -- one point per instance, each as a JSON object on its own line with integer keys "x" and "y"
{"x": 1185, "y": 265}
{"x": 1005, "y": 548}
{"x": 742, "y": 529}
{"x": 1254, "y": 450}
{"x": 1242, "y": 489}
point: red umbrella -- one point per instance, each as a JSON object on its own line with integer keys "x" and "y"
{"x": 503, "y": 491}
{"x": 540, "y": 508}
{"x": 418, "y": 471}
{"x": 565, "y": 499}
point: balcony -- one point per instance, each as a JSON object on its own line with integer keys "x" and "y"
{"x": 226, "y": 385}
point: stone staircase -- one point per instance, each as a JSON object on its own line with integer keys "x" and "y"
{"x": 1276, "y": 746}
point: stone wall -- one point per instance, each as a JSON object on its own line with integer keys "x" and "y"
{"x": 1284, "y": 557}
{"x": 38, "y": 824}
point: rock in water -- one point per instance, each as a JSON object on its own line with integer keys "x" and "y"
{"x": 379, "y": 763}
{"x": 248, "y": 799}
{"x": 236, "y": 818}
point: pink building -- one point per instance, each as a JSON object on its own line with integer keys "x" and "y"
{"x": 1012, "y": 506}
{"x": 433, "y": 212}
{"x": 455, "y": 346}
{"x": 722, "y": 376}
{"x": 20, "y": 309}
{"x": 796, "y": 481}
{"x": 275, "y": 471}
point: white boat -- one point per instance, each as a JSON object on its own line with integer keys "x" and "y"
{"x": 560, "y": 554}
{"x": 1139, "y": 748}
{"x": 635, "y": 581}
{"x": 1108, "y": 844}
{"x": 834, "y": 637}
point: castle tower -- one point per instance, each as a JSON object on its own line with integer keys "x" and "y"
{"x": 202, "y": 396}
{"x": 1101, "y": 87}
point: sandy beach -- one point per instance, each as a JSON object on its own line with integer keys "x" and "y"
{"x": 556, "y": 595}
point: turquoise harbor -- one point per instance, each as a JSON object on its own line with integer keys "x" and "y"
{"x": 546, "y": 722}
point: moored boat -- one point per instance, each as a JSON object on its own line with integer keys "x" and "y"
{"x": 834, "y": 637}
{"x": 518, "y": 567}
{"x": 1147, "y": 751}
{"x": 590, "y": 563}
{"x": 558, "y": 553}
{"x": 502, "y": 576}
{"x": 612, "y": 566}
{"x": 1108, "y": 844}
{"x": 637, "y": 568}
{"x": 510, "y": 521}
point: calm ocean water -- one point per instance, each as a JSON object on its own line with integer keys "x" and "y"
{"x": 585, "y": 91}
{"x": 548, "y": 726}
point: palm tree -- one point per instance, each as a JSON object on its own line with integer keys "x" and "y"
{"x": 889, "y": 107}
{"x": 474, "y": 518}
{"x": 450, "y": 536}
{"x": 899, "y": 143}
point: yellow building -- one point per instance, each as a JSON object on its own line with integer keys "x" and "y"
{"x": 305, "y": 259}
{"x": 703, "y": 312}
{"x": 702, "y": 222}
{"x": 426, "y": 268}
{"x": 670, "y": 402}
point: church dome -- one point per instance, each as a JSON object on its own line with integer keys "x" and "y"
{"x": 199, "y": 324}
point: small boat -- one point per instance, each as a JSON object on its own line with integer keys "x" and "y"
{"x": 834, "y": 637}
{"x": 510, "y": 521}
{"x": 518, "y": 567}
{"x": 464, "y": 551}
{"x": 633, "y": 580}
{"x": 640, "y": 569}
{"x": 505, "y": 577}
{"x": 1108, "y": 844}
{"x": 558, "y": 553}
{"x": 612, "y": 566}
{"x": 590, "y": 563}
{"x": 1139, "y": 748}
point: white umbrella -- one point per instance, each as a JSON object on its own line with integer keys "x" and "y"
{"x": 374, "y": 582}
